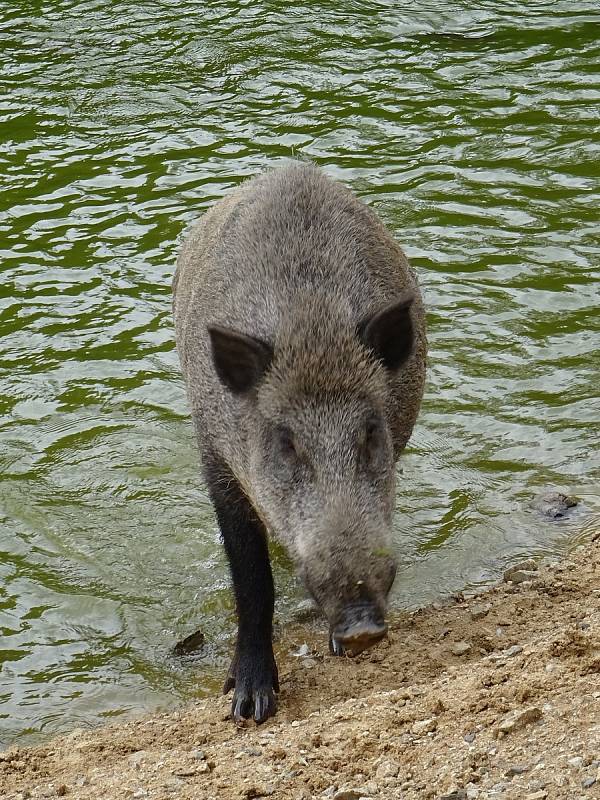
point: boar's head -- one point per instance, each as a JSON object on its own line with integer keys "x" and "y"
{"x": 319, "y": 451}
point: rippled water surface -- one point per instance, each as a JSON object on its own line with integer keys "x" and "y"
{"x": 473, "y": 129}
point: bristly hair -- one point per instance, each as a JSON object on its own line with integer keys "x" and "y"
{"x": 319, "y": 357}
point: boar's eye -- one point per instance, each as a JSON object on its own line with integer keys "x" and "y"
{"x": 373, "y": 438}
{"x": 285, "y": 442}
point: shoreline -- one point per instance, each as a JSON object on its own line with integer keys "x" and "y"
{"x": 495, "y": 695}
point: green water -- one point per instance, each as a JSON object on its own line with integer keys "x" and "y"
{"x": 473, "y": 129}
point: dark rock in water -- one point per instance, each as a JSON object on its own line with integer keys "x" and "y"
{"x": 554, "y": 504}
{"x": 188, "y": 645}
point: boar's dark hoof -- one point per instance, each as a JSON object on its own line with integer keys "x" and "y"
{"x": 359, "y": 628}
{"x": 259, "y": 704}
{"x": 254, "y": 680}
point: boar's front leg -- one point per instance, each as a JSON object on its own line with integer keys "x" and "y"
{"x": 253, "y": 671}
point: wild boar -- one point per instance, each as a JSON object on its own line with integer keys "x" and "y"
{"x": 301, "y": 335}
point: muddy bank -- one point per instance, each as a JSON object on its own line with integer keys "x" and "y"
{"x": 496, "y": 696}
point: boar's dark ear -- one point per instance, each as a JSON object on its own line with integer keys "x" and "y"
{"x": 240, "y": 360}
{"x": 389, "y": 333}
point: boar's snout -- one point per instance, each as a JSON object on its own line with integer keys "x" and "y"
{"x": 349, "y": 571}
{"x": 359, "y": 626}
{"x": 357, "y": 613}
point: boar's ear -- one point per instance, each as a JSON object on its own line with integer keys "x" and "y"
{"x": 240, "y": 360}
{"x": 389, "y": 333}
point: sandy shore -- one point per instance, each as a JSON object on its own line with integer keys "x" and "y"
{"x": 493, "y": 696}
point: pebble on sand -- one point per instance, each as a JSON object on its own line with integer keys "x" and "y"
{"x": 460, "y": 648}
{"x": 519, "y": 719}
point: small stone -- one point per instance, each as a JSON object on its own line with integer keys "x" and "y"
{"x": 576, "y": 761}
{"x": 516, "y": 769}
{"x": 542, "y": 794}
{"x": 519, "y": 719}
{"x": 257, "y": 791}
{"x": 185, "y": 772}
{"x": 438, "y": 706}
{"x": 480, "y": 611}
{"x": 173, "y": 785}
{"x": 519, "y": 576}
{"x": 347, "y": 794}
{"x": 295, "y": 724}
{"x": 61, "y": 790}
{"x": 140, "y": 793}
{"x": 424, "y": 726}
{"x": 554, "y": 504}
{"x": 469, "y": 737}
{"x": 387, "y": 769}
{"x": 512, "y": 651}
{"x": 302, "y": 652}
{"x": 460, "y": 648}
{"x": 588, "y": 782}
{"x": 190, "y": 644}
{"x": 199, "y": 755}
{"x": 529, "y": 565}
{"x": 527, "y": 568}
{"x": 472, "y": 791}
{"x": 305, "y": 611}
{"x": 456, "y": 794}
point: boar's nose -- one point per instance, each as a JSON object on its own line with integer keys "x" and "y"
{"x": 359, "y": 626}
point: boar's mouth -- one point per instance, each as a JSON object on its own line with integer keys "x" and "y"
{"x": 358, "y": 627}
{"x": 355, "y": 608}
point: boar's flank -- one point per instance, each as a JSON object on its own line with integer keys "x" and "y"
{"x": 301, "y": 335}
